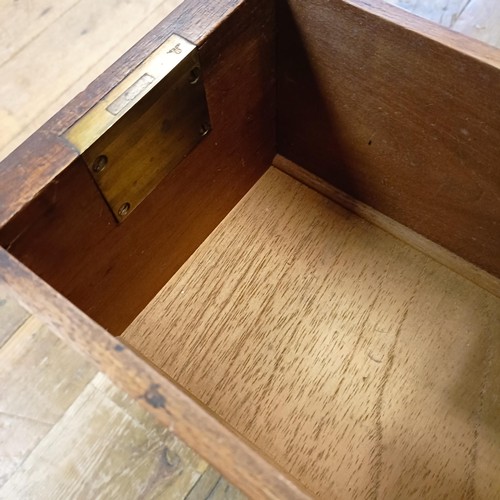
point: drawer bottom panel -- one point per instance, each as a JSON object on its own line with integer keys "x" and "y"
{"x": 359, "y": 364}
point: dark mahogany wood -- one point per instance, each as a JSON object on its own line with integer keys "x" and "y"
{"x": 398, "y": 112}
{"x": 68, "y": 236}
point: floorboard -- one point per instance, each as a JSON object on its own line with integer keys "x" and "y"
{"x": 66, "y": 431}
{"x": 50, "y": 51}
{"x": 479, "y": 19}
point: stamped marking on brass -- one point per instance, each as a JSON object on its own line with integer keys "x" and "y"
{"x": 131, "y": 94}
{"x": 177, "y": 49}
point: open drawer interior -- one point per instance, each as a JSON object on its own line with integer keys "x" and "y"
{"x": 353, "y": 360}
{"x": 301, "y": 304}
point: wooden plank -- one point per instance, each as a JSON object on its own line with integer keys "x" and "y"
{"x": 480, "y": 20}
{"x": 223, "y": 491}
{"x": 211, "y": 486}
{"x": 444, "y": 12}
{"x": 204, "y": 486}
{"x": 88, "y": 261}
{"x": 24, "y": 356}
{"x": 401, "y": 114}
{"x": 22, "y": 22}
{"x": 106, "y": 446}
{"x": 99, "y": 33}
{"x": 363, "y": 367}
{"x": 12, "y": 315}
{"x": 67, "y": 432}
{"x": 246, "y": 468}
{"x": 36, "y": 390}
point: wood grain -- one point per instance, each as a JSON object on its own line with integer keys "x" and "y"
{"x": 68, "y": 236}
{"x": 359, "y": 364}
{"x": 398, "y": 112}
{"x": 43, "y": 155}
{"x": 12, "y": 315}
{"x": 417, "y": 241}
{"x": 444, "y": 12}
{"x": 106, "y": 446}
{"x": 172, "y": 406}
{"x": 39, "y": 73}
{"x": 36, "y": 391}
{"x": 211, "y": 486}
{"x": 67, "y": 432}
{"x": 430, "y": 30}
{"x": 33, "y": 18}
{"x": 479, "y": 19}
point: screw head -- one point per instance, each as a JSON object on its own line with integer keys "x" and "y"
{"x": 100, "y": 163}
{"x": 124, "y": 209}
{"x": 204, "y": 129}
{"x": 194, "y": 75}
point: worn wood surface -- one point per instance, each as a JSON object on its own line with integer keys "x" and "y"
{"x": 69, "y": 237}
{"x": 362, "y": 366}
{"x": 401, "y": 121}
{"x": 479, "y": 19}
{"x": 444, "y": 12}
{"x": 13, "y": 316}
{"x": 40, "y": 72}
{"x": 98, "y": 391}
{"x": 67, "y": 432}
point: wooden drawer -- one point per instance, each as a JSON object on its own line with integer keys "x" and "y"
{"x": 310, "y": 299}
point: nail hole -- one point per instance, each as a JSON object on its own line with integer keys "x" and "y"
{"x": 194, "y": 76}
{"x": 370, "y": 142}
{"x": 100, "y": 163}
{"x": 124, "y": 209}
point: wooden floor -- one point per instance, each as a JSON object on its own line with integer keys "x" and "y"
{"x": 478, "y": 19}
{"x": 359, "y": 364}
{"x": 51, "y": 50}
{"x": 66, "y": 431}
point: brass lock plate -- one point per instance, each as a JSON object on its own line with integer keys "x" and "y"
{"x": 143, "y": 128}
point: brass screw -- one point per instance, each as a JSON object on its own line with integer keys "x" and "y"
{"x": 100, "y": 163}
{"x": 194, "y": 76}
{"x": 124, "y": 210}
{"x": 204, "y": 129}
